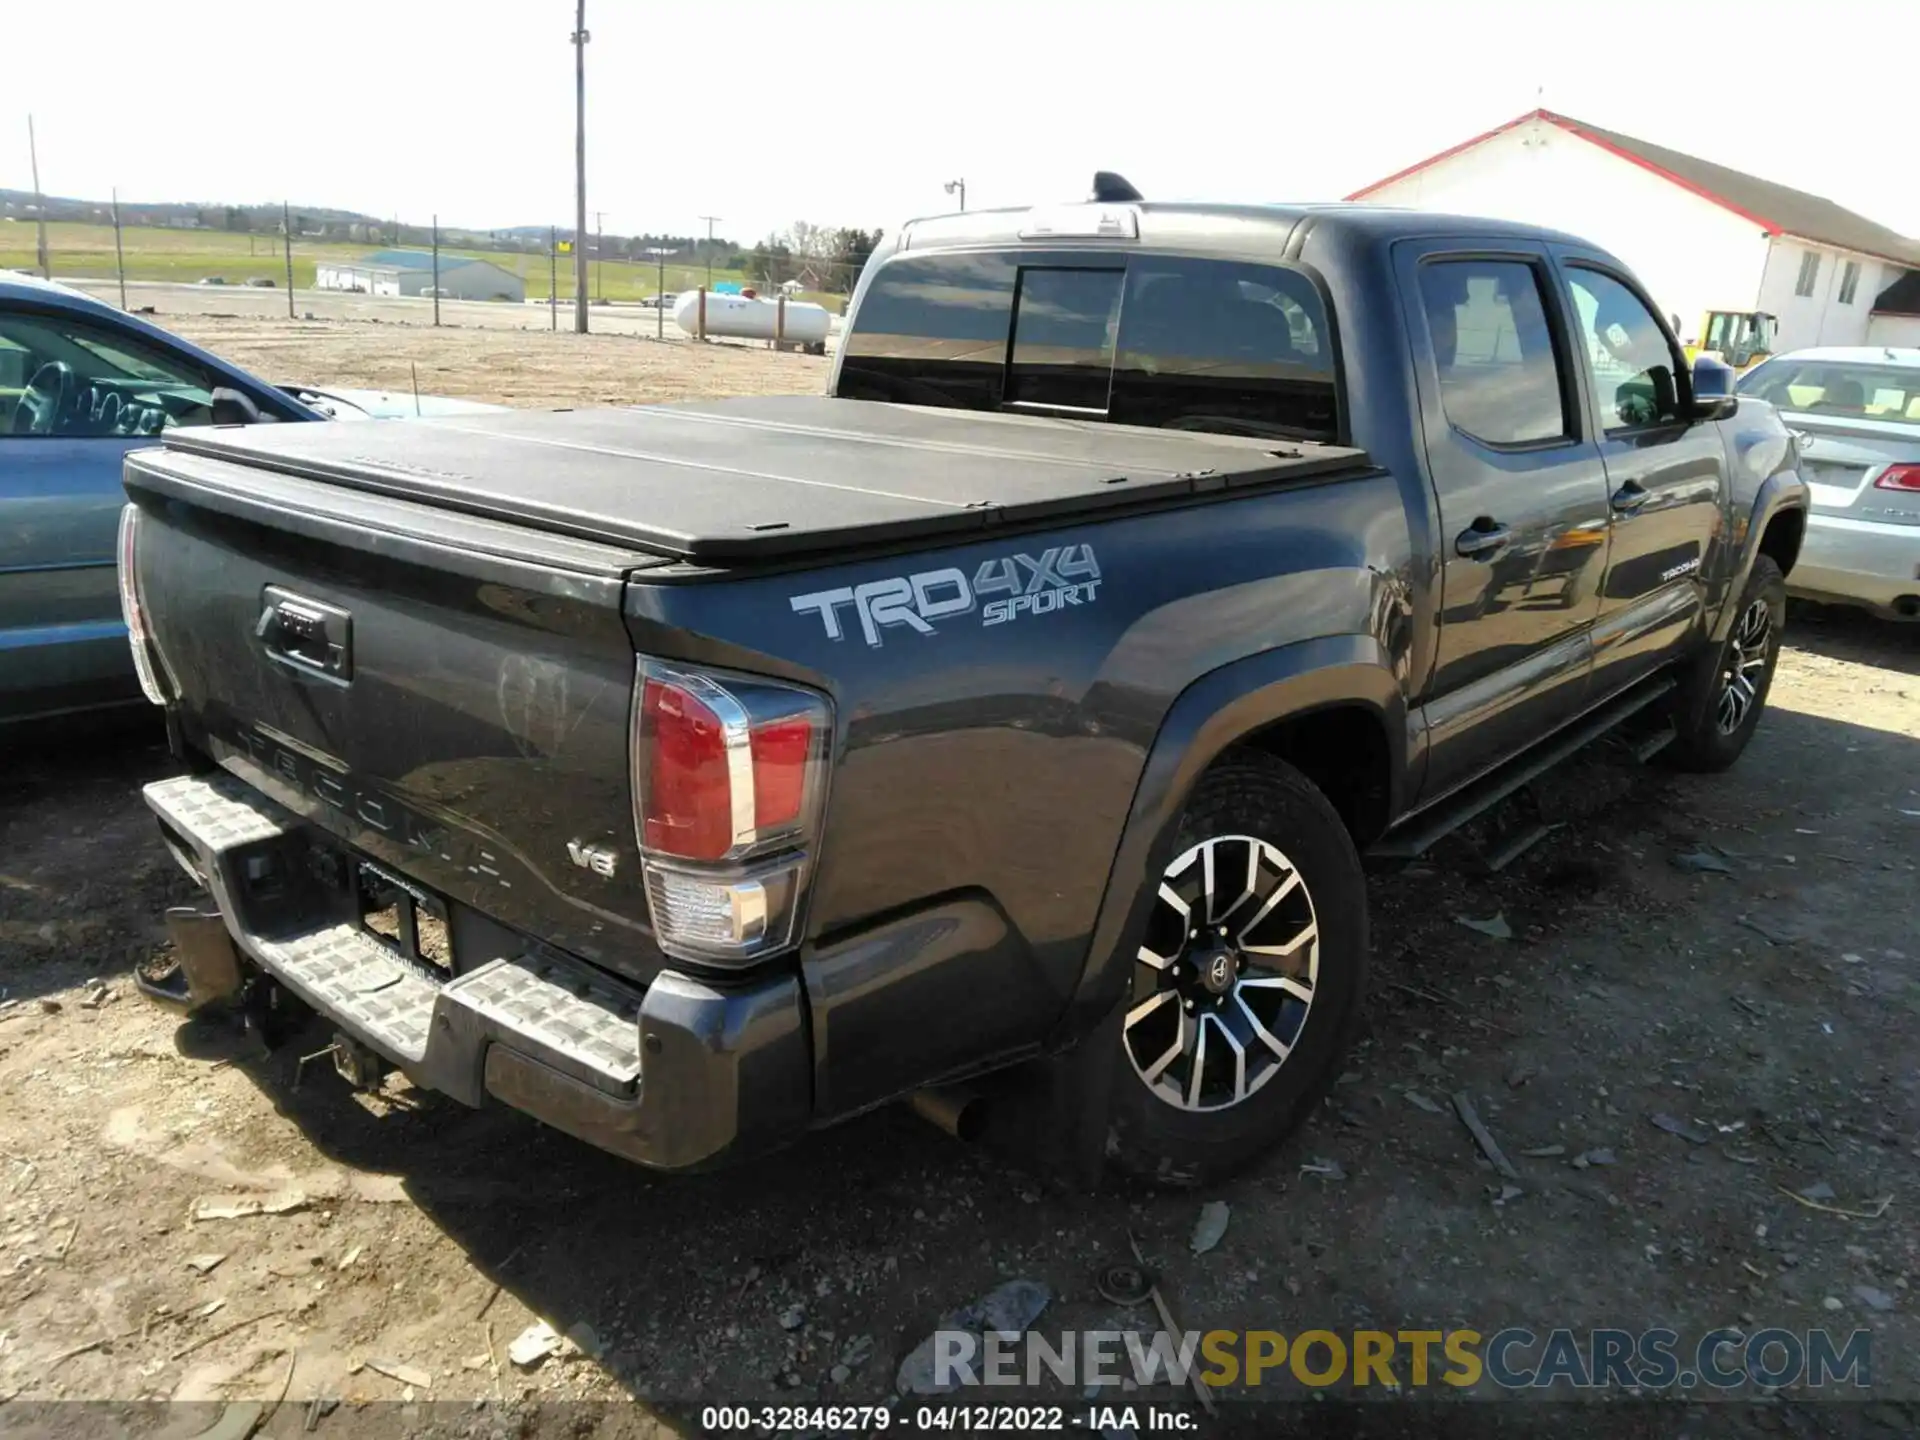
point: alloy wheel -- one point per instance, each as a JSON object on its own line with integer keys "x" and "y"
{"x": 1744, "y": 667}
{"x": 1225, "y": 981}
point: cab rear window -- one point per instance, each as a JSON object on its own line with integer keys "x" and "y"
{"x": 1138, "y": 339}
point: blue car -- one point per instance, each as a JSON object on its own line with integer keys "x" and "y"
{"x": 80, "y": 385}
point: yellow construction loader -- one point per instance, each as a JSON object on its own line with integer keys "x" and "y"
{"x": 1740, "y": 338}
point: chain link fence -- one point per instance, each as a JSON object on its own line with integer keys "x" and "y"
{"x": 321, "y": 264}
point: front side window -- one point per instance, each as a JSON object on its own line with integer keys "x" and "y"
{"x": 1809, "y": 273}
{"x": 1635, "y": 376}
{"x": 1849, "y": 281}
{"x": 1500, "y": 380}
{"x": 62, "y": 377}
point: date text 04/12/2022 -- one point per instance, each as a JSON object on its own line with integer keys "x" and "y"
{"x": 936, "y": 1419}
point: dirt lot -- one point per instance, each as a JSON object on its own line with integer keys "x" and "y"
{"x": 534, "y": 368}
{"x": 1765, "y": 1005}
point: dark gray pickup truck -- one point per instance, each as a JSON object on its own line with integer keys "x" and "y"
{"x": 1016, "y": 719}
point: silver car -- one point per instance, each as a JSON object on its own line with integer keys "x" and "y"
{"x": 1857, "y": 411}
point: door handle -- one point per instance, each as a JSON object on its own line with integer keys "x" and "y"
{"x": 1628, "y": 498}
{"x": 1482, "y": 540}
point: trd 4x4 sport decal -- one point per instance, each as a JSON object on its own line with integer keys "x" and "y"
{"x": 1031, "y": 584}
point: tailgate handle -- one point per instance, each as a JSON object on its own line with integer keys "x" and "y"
{"x": 306, "y": 635}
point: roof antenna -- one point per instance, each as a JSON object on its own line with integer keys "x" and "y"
{"x": 1110, "y": 188}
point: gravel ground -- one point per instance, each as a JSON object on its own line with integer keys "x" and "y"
{"x": 534, "y": 368}
{"x": 1763, "y": 1008}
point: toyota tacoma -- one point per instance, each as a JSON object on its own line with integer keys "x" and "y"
{"x": 1017, "y": 718}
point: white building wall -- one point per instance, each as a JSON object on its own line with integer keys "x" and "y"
{"x": 1691, "y": 254}
{"x": 1820, "y": 318}
{"x": 1901, "y": 330}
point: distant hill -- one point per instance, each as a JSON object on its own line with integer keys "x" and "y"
{"x": 319, "y": 222}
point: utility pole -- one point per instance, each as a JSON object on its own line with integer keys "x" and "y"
{"x": 436, "y": 272}
{"x": 961, "y": 187}
{"x": 580, "y": 38}
{"x": 711, "y": 221}
{"x": 553, "y": 278}
{"x": 660, "y": 311}
{"x": 39, "y": 202}
{"x": 119, "y": 255}
{"x": 286, "y": 225}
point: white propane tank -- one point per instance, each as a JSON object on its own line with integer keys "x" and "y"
{"x": 742, "y": 317}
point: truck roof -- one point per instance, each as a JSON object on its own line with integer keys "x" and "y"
{"x": 758, "y": 477}
{"x": 1276, "y": 229}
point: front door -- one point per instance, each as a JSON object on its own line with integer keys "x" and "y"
{"x": 1523, "y": 502}
{"x": 1665, "y": 476}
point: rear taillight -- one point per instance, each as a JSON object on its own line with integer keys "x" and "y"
{"x": 1899, "y": 477}
{"x": 130, "y": 608}
{"x": 729, "y": 779}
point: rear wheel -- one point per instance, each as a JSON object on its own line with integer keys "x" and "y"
{"x": 1720, "y": 700}
{"x": 1248, "y": 981}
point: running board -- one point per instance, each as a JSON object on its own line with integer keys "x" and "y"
{"x": 1419, "y": 832}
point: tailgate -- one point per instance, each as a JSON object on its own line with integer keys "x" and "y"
{"x": 448, "y": 694}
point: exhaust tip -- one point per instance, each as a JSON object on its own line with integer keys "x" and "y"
{"x": 961, "y": 1113}
{"x": 1907, "y": 607}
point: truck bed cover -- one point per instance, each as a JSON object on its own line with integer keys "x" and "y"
{"x": 760, "y": 477}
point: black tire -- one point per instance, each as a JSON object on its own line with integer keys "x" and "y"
{"x": 1702, "y": 743}
{"x": 1153, "y": 1138}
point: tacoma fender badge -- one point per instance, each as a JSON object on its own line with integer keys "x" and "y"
{"x": 597, "y": 858}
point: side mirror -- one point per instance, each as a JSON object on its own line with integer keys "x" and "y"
{"x": 1713, "y": 393}
{"x": 231, "y": 407}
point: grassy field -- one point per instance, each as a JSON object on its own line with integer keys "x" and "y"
{"x": 187, "y": 256}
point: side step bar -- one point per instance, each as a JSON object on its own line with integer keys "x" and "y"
{"x": 1420, "y": 831}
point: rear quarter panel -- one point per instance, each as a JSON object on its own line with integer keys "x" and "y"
{"x": 992, "y": 767}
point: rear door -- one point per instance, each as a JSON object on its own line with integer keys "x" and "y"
{"x": 1523, "y": 501}
{"x": 1666, "y": 474}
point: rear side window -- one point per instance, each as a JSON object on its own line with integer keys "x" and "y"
{"x": 1150, "y": 340}
{"x": 1500, "y": 378}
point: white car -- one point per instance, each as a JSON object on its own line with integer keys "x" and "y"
{"x": 1856, "y": 409}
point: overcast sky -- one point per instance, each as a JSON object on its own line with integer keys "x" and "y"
{"x": 855, "y": 111}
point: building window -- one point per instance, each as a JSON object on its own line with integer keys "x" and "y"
{"x": 1849, "y": 281}
{"x": 1809, "y": 273}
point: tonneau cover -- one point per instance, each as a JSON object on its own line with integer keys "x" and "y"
{"x": 764, "y": 476}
